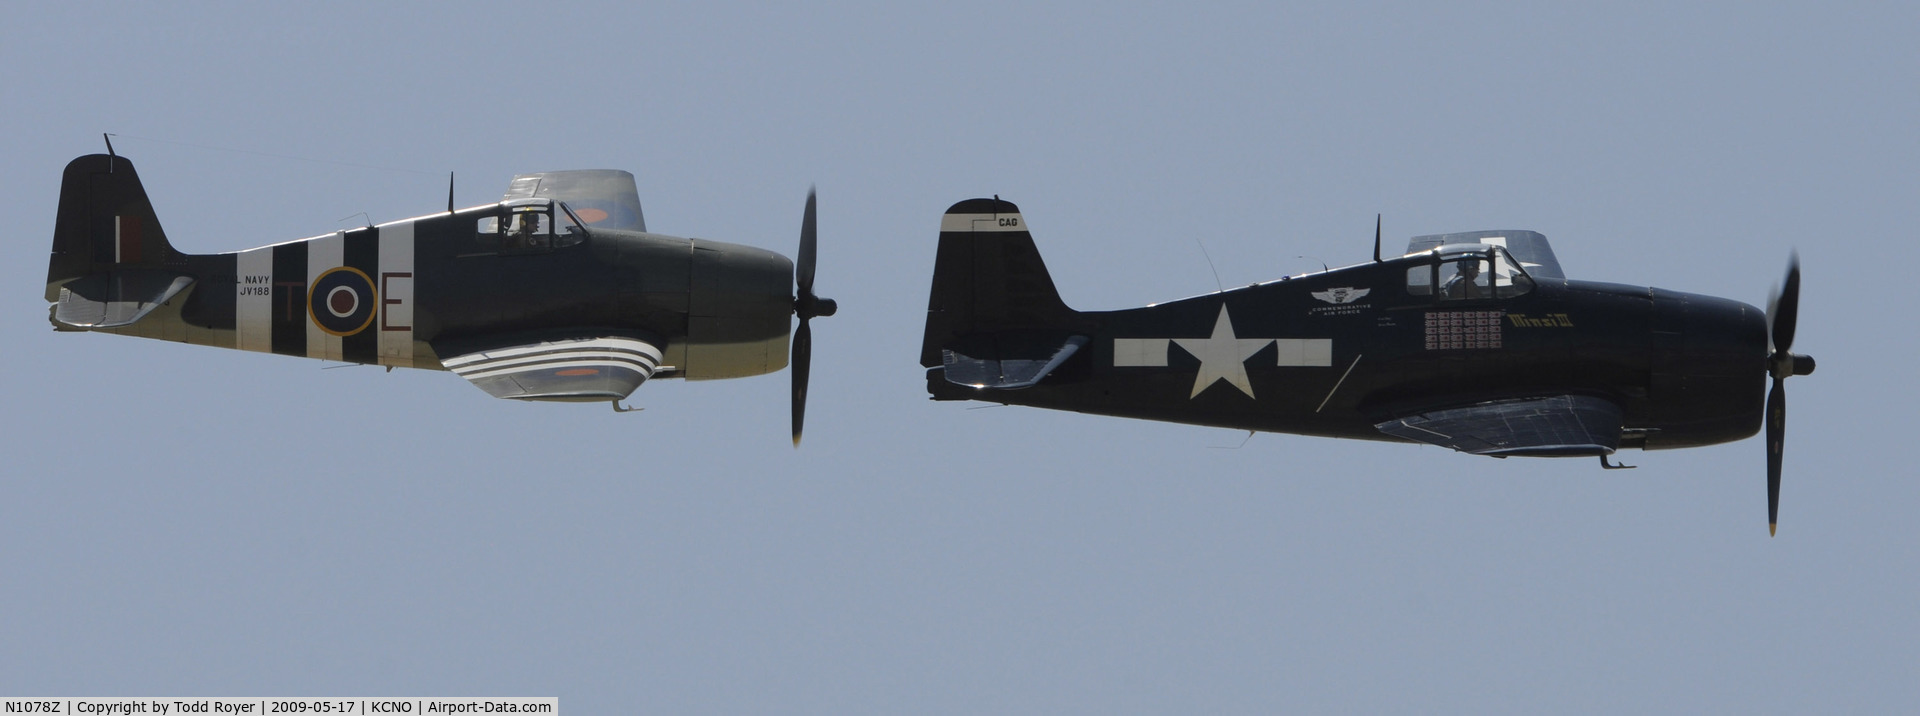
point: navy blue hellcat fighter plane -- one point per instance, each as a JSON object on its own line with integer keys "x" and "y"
{"x": 558, "y": 292}
{"x": 1472, "y": 341}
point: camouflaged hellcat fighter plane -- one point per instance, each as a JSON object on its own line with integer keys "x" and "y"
{"x": 1473, "y": 341}
{"x": 557, "y": 292}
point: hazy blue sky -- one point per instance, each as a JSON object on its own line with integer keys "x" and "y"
{"x": 185, "y": 520}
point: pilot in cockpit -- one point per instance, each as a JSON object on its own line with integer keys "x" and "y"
{"x": 1467, "y": 283}
{"x": 524, "y": 234}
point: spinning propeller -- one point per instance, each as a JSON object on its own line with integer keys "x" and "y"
{"x": 1783, "y": 313}
{"x": 806, "y": 306}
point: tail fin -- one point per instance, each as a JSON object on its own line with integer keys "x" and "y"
{"x": 987, "y": 278}
{"x": 111, "y": 263}
{"x": 105, "y": 224}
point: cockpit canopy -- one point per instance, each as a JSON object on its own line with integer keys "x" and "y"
{"x": 531, "y": 224}
{"x": 602, "y": 198}
{"x": 1530, "y": 248}
{"x": 1458, "y": 272}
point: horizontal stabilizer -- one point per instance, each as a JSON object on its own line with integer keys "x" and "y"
{"x": 115, "y": 298}
{"x": 1007, "y": 373}
{"x": 1557, "y": 426}
{"x": 566, "y": 369}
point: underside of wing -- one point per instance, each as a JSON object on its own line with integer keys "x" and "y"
{"x": 603, "y": 198}
{"x": 1555, "y": 426}
{"x": 569, "y": 369}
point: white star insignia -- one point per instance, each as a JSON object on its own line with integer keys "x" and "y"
{"x": 1222, "y": 356}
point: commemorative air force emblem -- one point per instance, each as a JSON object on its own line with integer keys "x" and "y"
{"x": 1344, "y": 294}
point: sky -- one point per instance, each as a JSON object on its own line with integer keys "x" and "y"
{"x": 184, "y": 520}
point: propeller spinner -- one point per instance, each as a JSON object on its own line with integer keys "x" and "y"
{"x": 806, "y": 305}
{"x": 1783, "y": 315}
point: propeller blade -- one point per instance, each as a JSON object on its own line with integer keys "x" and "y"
{"x": 1785, "y": 313}
{"x": 1776, "y": 439}
{"x": 802, "y": 365}
{"x": 803, "y": 270}
{"x": 806, "y": 306}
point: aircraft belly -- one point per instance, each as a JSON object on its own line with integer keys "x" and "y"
{"x": 1295, "y": 417}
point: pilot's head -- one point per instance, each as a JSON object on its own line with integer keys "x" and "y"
{"x": 1470, "y": 268}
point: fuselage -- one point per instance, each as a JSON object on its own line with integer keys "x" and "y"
{"x": 389, "y": 294}
{"x": 1335, "y": 353}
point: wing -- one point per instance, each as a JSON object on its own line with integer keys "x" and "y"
{"x": 571, "y": 369}
{"x": 604, "y": 198}
{"x": 1556, "y": 426}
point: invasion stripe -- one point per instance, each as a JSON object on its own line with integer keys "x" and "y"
{"x": 323, "y": 253}
{"x": 362, "y": 251}
{"x": 555, "y": 358}
{"x": 470, "y": 361}
{"x": 605, "y": 352}
{"x": 559, "y": 368}
{"x": 620, "y": 345}
{"x": 491, "y": 359}
{"x": 253, "y": 300}
{"x": 288, "y": 322}
{"x": 394, "y": 285}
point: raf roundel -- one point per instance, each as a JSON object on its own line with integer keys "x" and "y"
{"x": 341, "y": 301}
